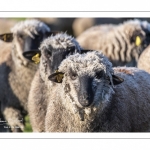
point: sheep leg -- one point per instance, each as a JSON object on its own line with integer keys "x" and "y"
{"x": 14, "y": 119}
{"x": 2, "y": 124}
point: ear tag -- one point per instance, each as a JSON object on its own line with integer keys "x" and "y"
{"x": 59, "y": 77}
{"x": 137, "y": 41}
{"x": 4, "y": 37}
{"x": 36, "y": 58}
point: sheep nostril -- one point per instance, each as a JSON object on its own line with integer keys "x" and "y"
{"x": 85, "y": 100}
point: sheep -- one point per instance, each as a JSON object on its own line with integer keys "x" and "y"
{"x": 81, "y": 24}
{"x": 122, "y": 43}
{"x": 53, "y": 50}
{"x": 91, "y": 96}
{"x": 144, "y": 60}
{"x": 16, "y": 72}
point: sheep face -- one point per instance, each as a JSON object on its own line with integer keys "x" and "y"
{"x": 137, "y": 41}
{"x": 27, "y": 36}
{"x": 53, "y": 57}
{"x": 24, "y": 43}
{"x": 138, "y": 33}
{"x": 30, "y": 43}
{"x": 53, "y": 50}
{"x": 86, "y": 83}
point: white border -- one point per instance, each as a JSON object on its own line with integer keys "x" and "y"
{"x": 74, "y": 5}
{"x": 75, "y": 14}
{"x": 99, "y": 135}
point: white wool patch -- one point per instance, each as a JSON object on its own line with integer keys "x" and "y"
{"x": 30, "y": 27}
{"x": 60, "y": 40}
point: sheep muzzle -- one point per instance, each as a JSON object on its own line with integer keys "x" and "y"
{"x": 86, "y": 93}
{"x": 85, "y": 100}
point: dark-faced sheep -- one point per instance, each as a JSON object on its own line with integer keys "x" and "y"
{"x": 16, "y": 72}
{"x": 53, "y": 50}
{"x": 88, "y": 97}
{"x": 122, "y": 43}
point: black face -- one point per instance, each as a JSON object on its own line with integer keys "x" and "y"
{"x": 86, "y": 92}
{"x": 55, "y": 56}
{"x": 140, "y": 35}
{"x": 31, "y": 43}
{"x": 145, "y": 39}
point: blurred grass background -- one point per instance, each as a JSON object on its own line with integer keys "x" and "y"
{"x": 28, "y": 127}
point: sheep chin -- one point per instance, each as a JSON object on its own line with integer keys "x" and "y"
{"x": 87, "y": 111}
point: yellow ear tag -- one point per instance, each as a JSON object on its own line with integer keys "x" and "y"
{"x": 36, "y": 58}
{"x": 59, "y": 76}
{"x": 5, "y": 37}
{"x": 137, "y": 41}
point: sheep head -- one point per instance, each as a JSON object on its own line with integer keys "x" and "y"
{"x": 53, "y": 50}
{"x": 87, "y": 82}
{"x": 26, "y": 36}
{"x": 138, "y": 35}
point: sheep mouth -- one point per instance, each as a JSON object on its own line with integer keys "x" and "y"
{"x": 84, "y": 112}
{"x": 87, "y": 113}
{"x": 86, "y": 98}
{"x": 85, "y": 102}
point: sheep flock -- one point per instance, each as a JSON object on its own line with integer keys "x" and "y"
{"x": 96, "y": 82}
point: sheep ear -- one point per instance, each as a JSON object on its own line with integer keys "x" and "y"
{"x": 7, "y": 37}
{"x": 56, "y": 77}
{"x": 33, "y": 55}
{"x": 117, "y": 79}
{"x": 85, "y": 51}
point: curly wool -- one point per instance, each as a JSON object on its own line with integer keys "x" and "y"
{"x": 60, "y": 40}
{"x": 97, "y": 59}
{"x": 30, "y": 27}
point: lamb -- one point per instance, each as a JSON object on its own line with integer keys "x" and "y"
{"x": 16, "y": 72}
{"x": 122, "y": 43}
{"x": 91, "y": 96}
{"x": 53, "y": 50}
{"x": 144, "y": 60}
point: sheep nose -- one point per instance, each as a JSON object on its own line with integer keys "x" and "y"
{"x": 85, "y": 100}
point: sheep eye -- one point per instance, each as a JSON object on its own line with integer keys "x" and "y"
{"x": 39, "y": 37}
{"x": 73, "y": 76}
{"x": 21, "y": 36}
{"x": 49, "y": 53}
{"x": 99, "y": 74}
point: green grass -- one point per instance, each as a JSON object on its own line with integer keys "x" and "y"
{"x": 18, "y": 19}
{"x": 28, "y": 127}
